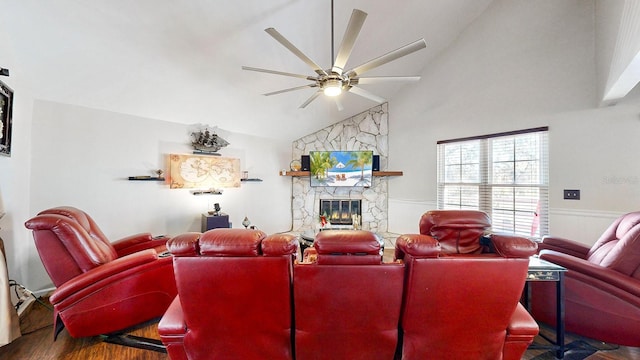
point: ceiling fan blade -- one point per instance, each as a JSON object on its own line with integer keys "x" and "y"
{"x": 383, "y": 79}
{"x": 310, "y": 99}
{"x": 279, "y": 73}
{"x": 282, "y": 40}
{"x": 338, "y": 104}
{"x": 364, "y": 93}
{"x": 290, "y": 89}
{"x": 349, "y": 39}
{"x": 388, "y": 57}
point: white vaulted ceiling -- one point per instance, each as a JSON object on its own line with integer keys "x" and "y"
{"x": 181, "y": 61}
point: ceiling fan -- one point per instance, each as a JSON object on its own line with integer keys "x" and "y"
{"x": 334, "y": 81}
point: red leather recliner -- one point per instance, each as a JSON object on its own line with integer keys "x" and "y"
{"x": 234, "y": 298}
{"x": 602, "y": 284}
{"x": 101, "y": 288}
{"x": 461, "y": 295}
{"x": 122, "y": 247}
{"x": 347, "y": 303}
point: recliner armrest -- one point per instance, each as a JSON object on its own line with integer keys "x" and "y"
{"x": 595, "y": 275}
{"x": 172, "y": 322}
{"x": 131, "y": 240}
{"x": 138, "y": 242}
{"x": 110, "y": 271}
{"x": 172, "y": 329}
{"x": 416, "y": 245}
{"x": 509, "y": 246}
{"x": 521, "y": 331}
{"x": 522, "y": 324}
{"x": 279, "y": 244}
{"x": 563, "y": 245}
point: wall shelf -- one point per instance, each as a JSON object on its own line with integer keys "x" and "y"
{"x": 145, "y": 178}
{"x": 251, "y": 179}
{"x": 375, "y": 173}
{"x": 206, "y": 192}
{"x": 297, "y": 173}
{"x": 388, "y": 173}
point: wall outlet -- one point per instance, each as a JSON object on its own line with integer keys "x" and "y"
{"x": 572, "y": 194}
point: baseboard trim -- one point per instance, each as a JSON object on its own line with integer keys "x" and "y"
{"x": 44, "y": 292}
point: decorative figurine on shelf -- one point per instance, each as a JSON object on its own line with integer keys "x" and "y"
{"x": 159, "y": 172}
{"x": 246, "y": 222}
{"x": 207, "y": 142}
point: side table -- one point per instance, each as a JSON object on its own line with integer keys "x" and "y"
{"x": 542, "y": 270}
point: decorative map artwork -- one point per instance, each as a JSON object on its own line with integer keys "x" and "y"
{"x": 203, "y": 172}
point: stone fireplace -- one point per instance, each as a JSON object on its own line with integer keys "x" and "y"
{"x": 365, "y": 131}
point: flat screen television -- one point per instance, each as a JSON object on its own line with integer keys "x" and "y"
{"x": 341, "y": 168}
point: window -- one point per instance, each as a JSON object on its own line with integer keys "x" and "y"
{"x": 505, "y": 175}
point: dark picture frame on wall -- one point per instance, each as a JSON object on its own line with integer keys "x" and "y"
{"x": 6, "y": 109}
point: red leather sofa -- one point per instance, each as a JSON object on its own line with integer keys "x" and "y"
{"x": 602, "y": 284}
{"x": 461, "y": 294}
{"x": 101, "y": 287}
{"x": 237, "y": 284}
{"x": 235, "y": 296}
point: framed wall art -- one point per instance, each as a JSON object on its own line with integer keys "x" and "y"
{"x": 6, "y": 108}
{"x": 204, "y": 172}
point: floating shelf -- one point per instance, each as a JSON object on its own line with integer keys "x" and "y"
{"x": 251, "y": 179}
{"x": 388, "y": 173}
{"x": 146, "y": 178}
{"x": 297, "y": 173}
{"x": 375, "y": 173}
{"x": 206, "y": 192}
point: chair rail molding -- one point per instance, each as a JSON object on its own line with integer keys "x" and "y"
{"x": 583, "y": 225}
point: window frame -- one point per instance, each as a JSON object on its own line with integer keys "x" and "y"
{"x": 539, "y": 182}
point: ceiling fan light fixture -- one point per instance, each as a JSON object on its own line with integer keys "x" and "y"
{"x": 332, "y": 87}
{"x": 333, "y": 81}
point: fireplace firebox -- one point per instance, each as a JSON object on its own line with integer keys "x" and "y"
{"x": 339, "y": 211}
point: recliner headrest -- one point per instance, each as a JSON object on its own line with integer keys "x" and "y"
{"x": 458, "y": 231}
{"x": 628, "y": 222}
{"x": 231, "y": 242}
{"x": 347, "y": 247}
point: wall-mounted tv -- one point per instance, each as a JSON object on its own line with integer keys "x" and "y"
{"x": 341, "y": 168}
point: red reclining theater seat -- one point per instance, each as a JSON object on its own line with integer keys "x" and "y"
{"x": 347, "y": 303}
{"x": 234, "y": 300}
{"x": 101, "y": 287}
{"x": 602, "y": 284}
{"x": 461, "y": 295}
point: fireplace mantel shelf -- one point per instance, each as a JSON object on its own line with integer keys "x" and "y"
{"x": 375, "y": 173}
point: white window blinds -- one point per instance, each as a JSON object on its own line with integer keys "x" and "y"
{"x": 505, "y": 175}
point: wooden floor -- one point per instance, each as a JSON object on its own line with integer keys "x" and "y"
{"x": 37, "y": 343}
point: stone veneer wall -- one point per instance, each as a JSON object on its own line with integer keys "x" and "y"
{"x": 366, "y": 131}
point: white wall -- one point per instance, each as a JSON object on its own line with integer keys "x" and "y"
{"x": 15, "y": 170}
{"x": 522, "y": 64}
{"x": 82, "y": 157}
